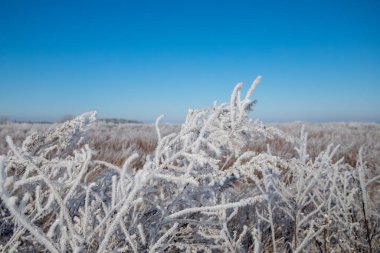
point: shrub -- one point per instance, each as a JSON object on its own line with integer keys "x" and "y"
{"x": 201, "y": 190}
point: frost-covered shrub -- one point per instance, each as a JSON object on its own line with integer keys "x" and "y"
{"x": 201, "y": 190}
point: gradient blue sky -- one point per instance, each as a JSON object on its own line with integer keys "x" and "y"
{"x": 320, "y": 60}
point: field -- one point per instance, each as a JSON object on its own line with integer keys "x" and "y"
{"x": 114, "y": 143}
{"x": 218, "y": 183}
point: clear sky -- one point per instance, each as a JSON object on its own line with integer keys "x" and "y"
{"x": 320, "y": 60}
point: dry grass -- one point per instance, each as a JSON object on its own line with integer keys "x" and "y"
{"x": 115, "y": 142}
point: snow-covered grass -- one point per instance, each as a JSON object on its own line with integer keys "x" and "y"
{"x": 200, "y": 188}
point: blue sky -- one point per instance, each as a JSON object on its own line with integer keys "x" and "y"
{"x": 320, "y": 60}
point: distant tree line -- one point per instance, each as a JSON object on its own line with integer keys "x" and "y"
{"x": 5, "y": 120}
